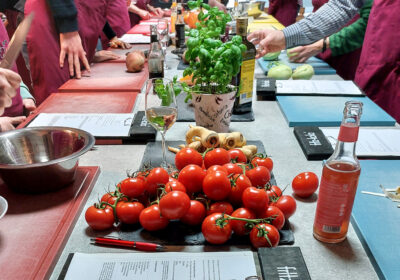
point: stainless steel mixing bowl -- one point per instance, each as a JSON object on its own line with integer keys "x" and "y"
{"x": 41, "y": 159}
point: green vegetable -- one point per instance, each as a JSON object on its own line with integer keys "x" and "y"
{"x": 271, "y": 56}
{"x": 289, "y": 54}
{"x": 280, "y": 72}
{"x": 303, "y": 72}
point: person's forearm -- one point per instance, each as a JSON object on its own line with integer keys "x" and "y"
{"x": 351, "y": 37}
{"x": 328, "y": 19}
{"x": 65, "y": 15}
{"x": 134, "y": 9}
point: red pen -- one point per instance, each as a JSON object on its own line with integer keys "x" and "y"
{"x": 141, "y": 246}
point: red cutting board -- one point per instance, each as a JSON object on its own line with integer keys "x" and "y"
{"x": 144, "y": 26}
{"x": 107, "y": 77}
{"x": 123, "y": 52}
{"x": 36, "y": 228}
{"x": 85, "y": 102}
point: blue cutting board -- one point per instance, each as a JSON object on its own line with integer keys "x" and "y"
{"x": 320, "y": 66}
{"x": 377, "y": 219}
{"x": 328, "y": 111}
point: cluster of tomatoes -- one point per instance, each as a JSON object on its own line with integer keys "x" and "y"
{"x": 222, "y": 192}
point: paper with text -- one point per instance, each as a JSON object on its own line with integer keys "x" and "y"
{"x": 380, "y": 142}
{"x": 135, "y": 39}
{"x": 317, "y": 87}
{"x": 162, "y": 266}
{"x": 106, "y": 125}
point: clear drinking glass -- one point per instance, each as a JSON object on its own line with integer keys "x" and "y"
{"x": 163, "y": 37}
{"x": 161, "y": 108}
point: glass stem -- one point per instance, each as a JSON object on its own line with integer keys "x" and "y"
{"x": 164, "y": 158}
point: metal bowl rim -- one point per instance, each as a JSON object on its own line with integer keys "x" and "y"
{"x": 88, "y": 137}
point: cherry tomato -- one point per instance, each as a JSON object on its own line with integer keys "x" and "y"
{"x": 109, "y": 197}
{"x": 174, "y": 205}
{"x": 188, "y": 156}
{"x": 157, "y": 176}
{"x": 216, "y": 186}
{"x": 218, "y": 156}
{"x": 237, "y": 155}
{"x": 233, "y": 168}
{"x": 239, "y": 183}
{"x": 263, "y": 161}
{"x": 99, "y": 219}
{"x": 195, "y": 215}
{"x": 174, "y": 185}
{"x": 220, "y": 207}
{"x": 305, "y": 184}
{"x": 274, "y": 192}
{"x": 192, "y": 177}
{"x": 214, "y": 230}
{"x": 239, "y": 227}
{"x": 276, "y": 216}
{"x": 128, "y": 212}
{"x": 132, "y": 187}
{"x": 150, "y": 218}
{"x": 259, "y": 176}
{"x": 287, "y": 204}
{"x": 264, "y": 235}
{"x": 216, "y": 167}
{"x": 255, "y": 199}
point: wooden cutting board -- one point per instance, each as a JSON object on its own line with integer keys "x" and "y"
{"x": 36, "y": 228}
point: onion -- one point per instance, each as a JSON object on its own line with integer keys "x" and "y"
{"x": 135, "y": 61}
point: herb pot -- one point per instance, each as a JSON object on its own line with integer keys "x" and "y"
{"x": 213, "y": 111}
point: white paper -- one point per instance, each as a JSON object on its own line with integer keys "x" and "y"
{"x": 380, "y": 142}
{"x": 107, "y": 125}
{"x": 317, "y": 87}
{"x": 162, "y": 266}
{"x": 135, "y": 39}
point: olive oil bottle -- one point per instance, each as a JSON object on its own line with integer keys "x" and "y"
{"x": 244, "y": 79}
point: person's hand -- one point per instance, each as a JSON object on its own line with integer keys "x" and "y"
{"x": 167, "y": 13}
{"x": 103, "y": 55}
{"x": 144, "y": 14}
{"x": 9, "y": 123}
{"x": 215, "y": 3}
{"x": 9, "y": 83}
{"x": 158, "y": 12}
{"x": 71, "y": 46}
{"x": 267, "y": 40}
{"x": 29, "y": 105}
{"x": 116, "y": 43}
{"x": 302, "y": 53}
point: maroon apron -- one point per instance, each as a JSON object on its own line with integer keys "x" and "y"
{"x": 378, "y": 72}
{"x": 285, "y": 11}
{"x": 12, "y": 19}
{"x": 141, "y": 4}
{"x": 17, "y": 107}
{"x": 345, "y": 64}
{"x": 44, "y": 43}
{"x": 118, "y": 18}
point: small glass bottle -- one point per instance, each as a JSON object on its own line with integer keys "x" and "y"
{"x": 155, "y": 58}
{"x": 339, "y": 180}
{"x": 179, "y": 28}
{"x": 244, "y": 80}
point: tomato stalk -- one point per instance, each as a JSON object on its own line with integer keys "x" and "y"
{"x": 263, "y": 233}
{"x": 223, "y": 220}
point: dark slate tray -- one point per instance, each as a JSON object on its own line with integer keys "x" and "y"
{"x": 177, "y": 233}
{"x": 186, "y": 112}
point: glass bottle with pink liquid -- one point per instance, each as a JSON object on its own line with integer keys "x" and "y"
{"x": 339, "y": 180}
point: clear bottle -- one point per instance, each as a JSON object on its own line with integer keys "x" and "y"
{"x": 179, "y": 28}
{"x": 236, "y": 9}
{"x": 245, "y": 77}
{"x": 155, "y": 58}
{"x": 339, "y": 180}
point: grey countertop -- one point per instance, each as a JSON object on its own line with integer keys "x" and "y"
{"x": 346, "y": 260}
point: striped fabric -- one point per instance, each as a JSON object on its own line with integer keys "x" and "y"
{"x": 326, "y": 21}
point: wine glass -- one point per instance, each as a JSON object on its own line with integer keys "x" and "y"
{"x": 163, "y": 35}
{"x": 161, "y": 108}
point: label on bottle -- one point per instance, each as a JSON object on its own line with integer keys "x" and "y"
{"x": 246, "y": 81}
{"x": 348, "y": 132}
{"x": 335, "y": 199}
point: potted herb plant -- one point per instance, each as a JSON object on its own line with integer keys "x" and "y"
{"x": 212, "y": 65}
